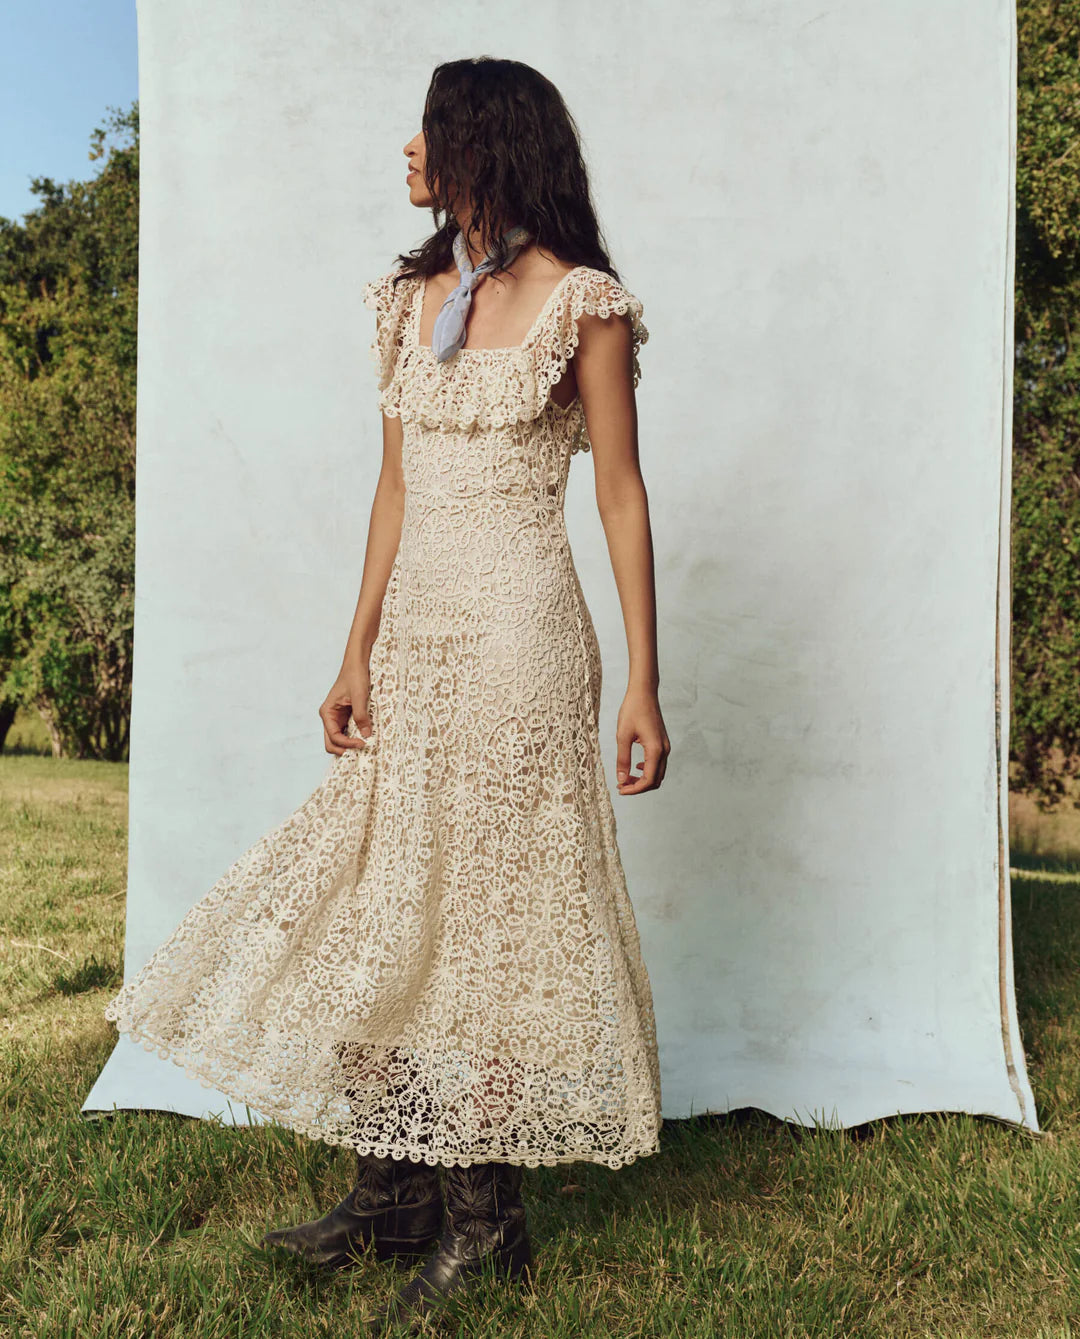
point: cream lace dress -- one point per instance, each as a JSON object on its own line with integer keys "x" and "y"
{"x": 435, "y": 955}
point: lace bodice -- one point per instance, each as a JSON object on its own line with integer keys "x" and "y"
{"x": 491, "y": 388}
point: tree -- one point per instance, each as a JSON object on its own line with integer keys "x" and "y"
{"x": 68, "y": 327}
{"x": 1045, "y": 726}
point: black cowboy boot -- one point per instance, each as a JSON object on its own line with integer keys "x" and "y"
{"x": 484, "y": 1229}
{"x": 396, "y": 1203}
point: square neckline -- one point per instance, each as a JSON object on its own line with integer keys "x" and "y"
{"x": 418, "y": 302}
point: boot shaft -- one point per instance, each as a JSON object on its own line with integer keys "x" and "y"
{"x": 484, "y": 1200}
{"x": 387, "y": 1181}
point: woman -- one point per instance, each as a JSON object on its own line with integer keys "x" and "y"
{"x": 434, "y": 960}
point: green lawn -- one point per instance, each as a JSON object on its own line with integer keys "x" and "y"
{"x": 146, "y": 1224}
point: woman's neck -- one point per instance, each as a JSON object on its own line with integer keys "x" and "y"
{"x": 476, "y": 253}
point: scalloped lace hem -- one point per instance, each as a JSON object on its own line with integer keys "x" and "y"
{"x": 241, "y": 1088}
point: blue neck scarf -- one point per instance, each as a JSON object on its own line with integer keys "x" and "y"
{"x": 449, "y": 333}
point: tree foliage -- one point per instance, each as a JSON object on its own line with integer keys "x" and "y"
{"x": 1045, "y": 724}
{"x": 68, "y": 314}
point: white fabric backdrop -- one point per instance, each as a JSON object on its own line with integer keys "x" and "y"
{"x": 815, "y": 209}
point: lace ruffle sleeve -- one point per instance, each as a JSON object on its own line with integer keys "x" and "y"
{"x": 389, "y": 301}
{"x": 593, "y": 292}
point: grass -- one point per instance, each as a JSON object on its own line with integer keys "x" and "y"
{"x": 147, "y": 1223}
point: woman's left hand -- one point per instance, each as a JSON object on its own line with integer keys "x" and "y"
{"x": 640, "y": 720}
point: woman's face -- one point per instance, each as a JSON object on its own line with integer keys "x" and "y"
{"x": 419, "y": 194}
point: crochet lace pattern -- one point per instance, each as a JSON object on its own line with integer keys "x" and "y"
{"x": 435, "y": 956}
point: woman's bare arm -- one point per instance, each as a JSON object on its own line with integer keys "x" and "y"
{"x": 603, "y": 365}
{"x": 384, "y": 536}
{"x": 349, "y": 695}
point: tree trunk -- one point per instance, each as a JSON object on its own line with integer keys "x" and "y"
{"x": 55, "y": 737}
{"x": 8, "y": 711}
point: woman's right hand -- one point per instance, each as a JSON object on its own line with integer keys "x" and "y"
{"x": 350, "y": 696}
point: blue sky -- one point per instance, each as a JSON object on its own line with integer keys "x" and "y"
{"x": 63, "y": 64}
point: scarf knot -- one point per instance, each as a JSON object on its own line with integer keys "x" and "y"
{"x": 448, "y": 335}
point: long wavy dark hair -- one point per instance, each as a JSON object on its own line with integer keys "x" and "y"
{"x": 501, "y": 131}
